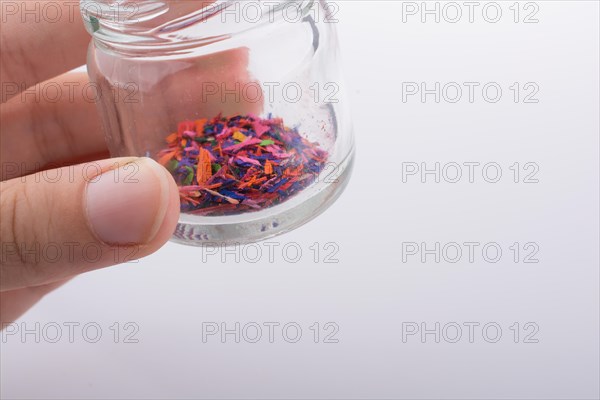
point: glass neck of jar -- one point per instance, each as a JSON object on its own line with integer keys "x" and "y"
{"x": 132, "y": 26}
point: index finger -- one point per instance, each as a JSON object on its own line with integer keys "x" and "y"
{"x": 39, "y": 39}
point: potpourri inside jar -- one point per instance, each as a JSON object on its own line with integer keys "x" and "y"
{"x": 232, "y": 165}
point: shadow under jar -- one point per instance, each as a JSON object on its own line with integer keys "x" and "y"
{"x": 242, "y": 101}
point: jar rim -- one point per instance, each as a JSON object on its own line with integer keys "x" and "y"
{"x": 140, "y": 24}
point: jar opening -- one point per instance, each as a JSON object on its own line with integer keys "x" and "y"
{"x": 179, "y": 24}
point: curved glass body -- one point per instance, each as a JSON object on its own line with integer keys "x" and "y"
{"x": 241, "y": 101}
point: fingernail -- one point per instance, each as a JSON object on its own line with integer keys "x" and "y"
{"x": 128, "y": 204}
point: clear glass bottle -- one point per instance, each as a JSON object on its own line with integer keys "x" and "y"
{"x": 241, "y": 100}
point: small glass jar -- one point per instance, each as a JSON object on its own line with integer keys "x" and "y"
{"x": 242, "y": 101}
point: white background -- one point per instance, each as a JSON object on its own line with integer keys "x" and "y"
{"x": 371, "y": 292}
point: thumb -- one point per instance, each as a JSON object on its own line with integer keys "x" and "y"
{"x": 62, "y": 222}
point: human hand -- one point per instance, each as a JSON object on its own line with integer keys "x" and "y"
{"x": 86, "y": 214}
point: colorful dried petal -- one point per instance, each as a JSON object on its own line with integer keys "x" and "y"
{"x": 204, "y": 168}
